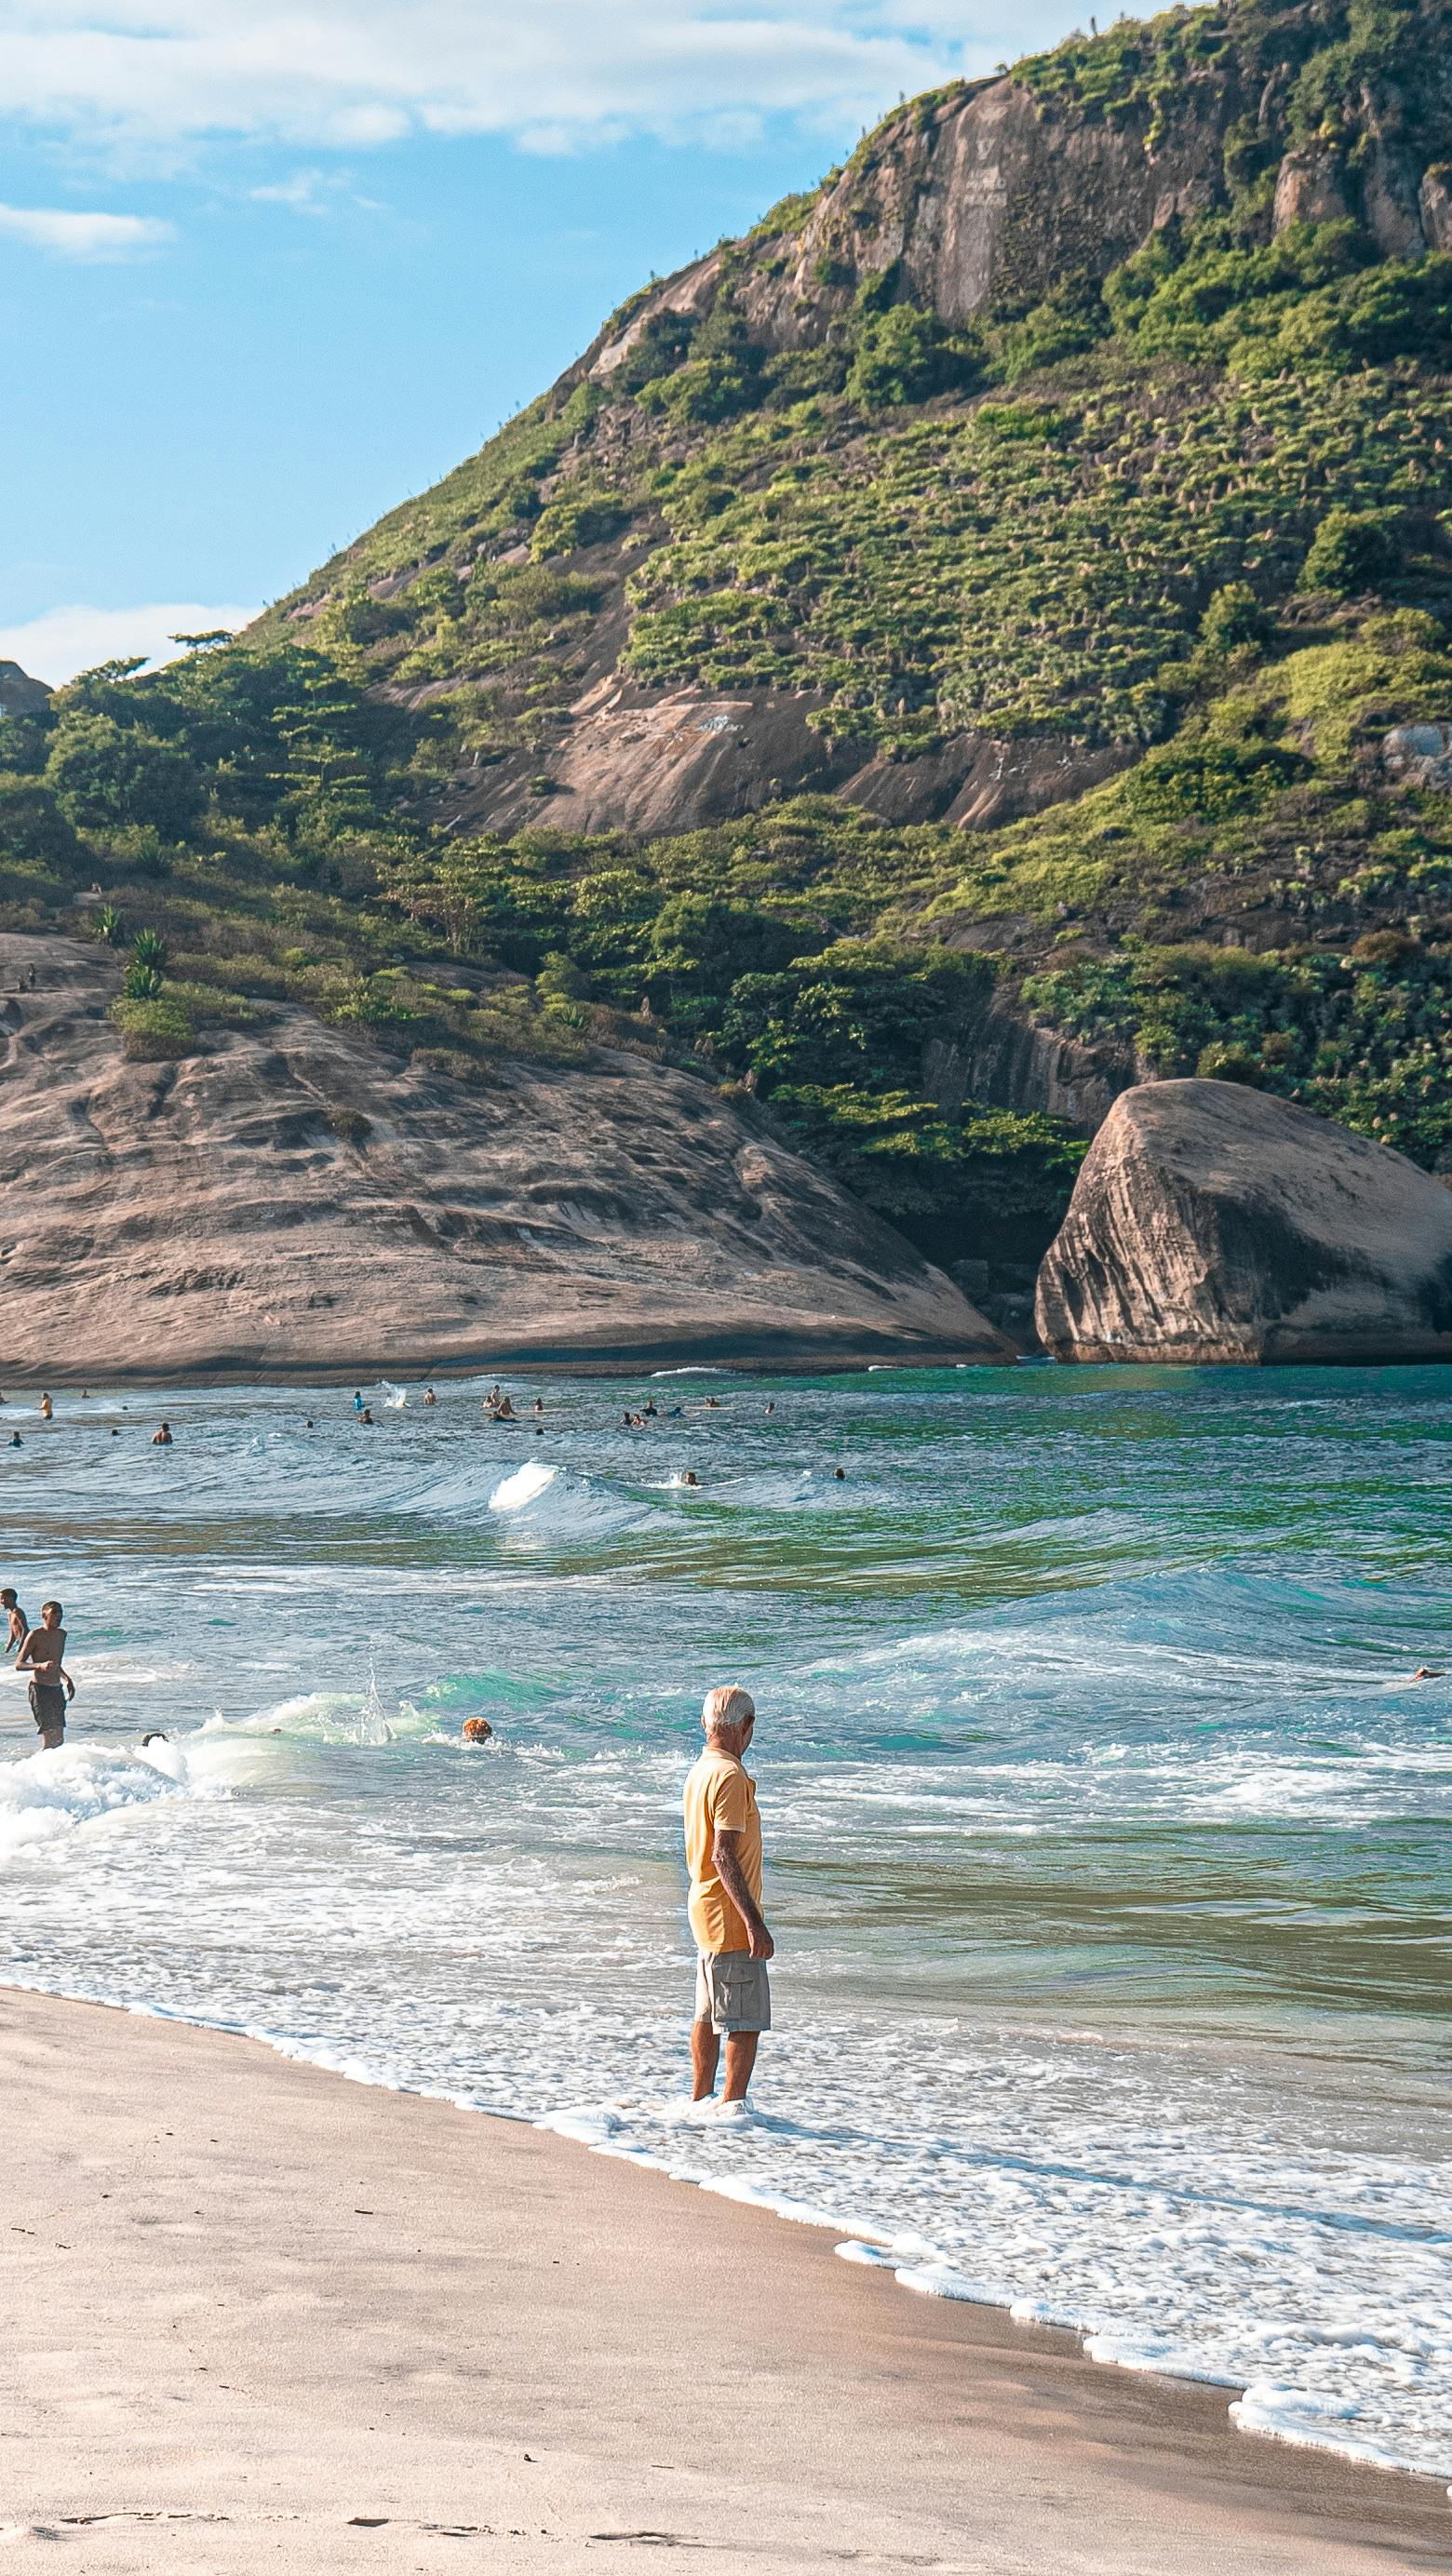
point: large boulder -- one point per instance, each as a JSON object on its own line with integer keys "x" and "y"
{"x": 1214, "y": 1223}
{"x": 295, "y": 1202}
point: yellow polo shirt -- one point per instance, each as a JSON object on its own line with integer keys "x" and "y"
{"x": 720, "y": 1796}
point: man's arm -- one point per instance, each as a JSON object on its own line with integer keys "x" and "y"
{"x": 25, "y": 1657}
{"x": 726, "y": 1862}
{"x": 70, "y": 1687}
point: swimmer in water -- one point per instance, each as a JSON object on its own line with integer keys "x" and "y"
{"x": 51, "y": 1686}
{"x": 840, "y": 1475}
{"x": 46, "y": 1408}
{"x": 429, "y": 1396}
{"x": 357, "y": 1399}
{"x": 768, "y": 1408}
{"x": 690, "y": 1477}
{"x": 18, "y": 1624}
{"x": 539, "y": 1404}
{"x": 504, "y": 1411}
{"x": 491, "y": 1401}
{"x": 15, "y": 1440}
{"x": 162, "y": 1439}
{"x": 366, "y": 1416}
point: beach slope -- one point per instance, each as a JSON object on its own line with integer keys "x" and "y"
{"x": 258, "y": 2317}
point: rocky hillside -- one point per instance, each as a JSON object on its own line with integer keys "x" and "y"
{"x": 295, "y": 1202}
{"x": 979, "y": 640}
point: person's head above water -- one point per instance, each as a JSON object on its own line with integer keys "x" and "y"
{"x": 728, "y": 1715}
{"x": 51, "y": 1614}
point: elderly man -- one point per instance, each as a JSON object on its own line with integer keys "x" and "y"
{"x": 723, "y": 1853}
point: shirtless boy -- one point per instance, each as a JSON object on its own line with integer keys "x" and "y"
{"x": 16, "y": 1621}
{"x": 51, "y": 1685}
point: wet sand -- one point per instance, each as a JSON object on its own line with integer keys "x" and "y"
{"x": 256, "y": 2317}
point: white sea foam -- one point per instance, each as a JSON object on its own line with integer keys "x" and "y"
{"x": 46, "y": 1797}
{"x": 525, "y": 1486}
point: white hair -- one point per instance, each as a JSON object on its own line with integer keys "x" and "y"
{"x": 726, "y": 1707}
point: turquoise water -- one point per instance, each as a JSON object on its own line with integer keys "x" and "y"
{"x": 1107, "y": 1830}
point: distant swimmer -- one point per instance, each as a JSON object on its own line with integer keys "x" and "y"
{"x": 648, "y": 1410}
{"x": 307, "y": 1426}
{"x": 539, "y": 1404}
{"x": 504, "y": 1411}
{"x": 357, "y": 1399}
{"x": 162, "y": 1439}
{"x": 17, "y": 1624}
{"x": 491, "y": 1401}
{"x": 46, "y": 1408}
{"x": 690, "y": 1477}
{"x": 840, "y": 1475}
{"x": 15, "y": 1440}
{"x": 366, "y": 1416}
{"x": 475, "y": 1730}
{"x": 51, "y": 1685}
{"x": 768, "y": 1408}
{"x": 429, "y": 1396}
{"x": 715, "y": 1404}
{"x": 1423, "y": 1673}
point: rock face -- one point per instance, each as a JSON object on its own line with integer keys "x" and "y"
{"x": 1212, "y": 1223}
{"x": 997, "y": 190}
{"x": 1419, "y": 755}
{"x": 19, "y": 694}
{"x": 212, "y": 1219}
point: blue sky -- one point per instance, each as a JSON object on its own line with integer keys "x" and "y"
{"x": 266, "y": 267}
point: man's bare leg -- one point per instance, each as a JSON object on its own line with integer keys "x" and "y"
{"x": 705, "y": 2052}
{"x": 740, "y": 2059}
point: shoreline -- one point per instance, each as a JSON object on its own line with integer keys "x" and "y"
{"x": 613, "y": 2356}
{"x": 769, "y": 1359}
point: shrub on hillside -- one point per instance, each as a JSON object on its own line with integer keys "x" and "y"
{"x": 102, "y": 772}
{"x": 904, "y": 356}
{"x": 585, "y": 515}
{"x": 1234, "y": 618}
{"x": 1352, "y": 551}
{"x": 33, "y": 830}
{"x": 155, "y": 1030}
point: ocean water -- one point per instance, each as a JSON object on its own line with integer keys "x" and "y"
{"x": 1107, "y": 1830}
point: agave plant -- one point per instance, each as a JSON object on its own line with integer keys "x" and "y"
{"x": 143, "y": 983}
{"x": 148, "y": 948}
{"x": 106, "y": 925}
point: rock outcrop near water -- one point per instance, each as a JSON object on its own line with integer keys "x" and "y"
{"x": 1214, "y": 1223}
{"x": 295, "y": 1202}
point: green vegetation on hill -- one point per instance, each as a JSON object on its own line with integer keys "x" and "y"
{"x": 1197, "y": 514}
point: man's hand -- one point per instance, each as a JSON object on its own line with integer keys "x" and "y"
{"x": 727, "y": 1862}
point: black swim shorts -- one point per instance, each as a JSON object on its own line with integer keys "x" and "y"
{"x": 48, "y": 1708}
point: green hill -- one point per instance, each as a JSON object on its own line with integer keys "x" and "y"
{"x": 996, "y": 616}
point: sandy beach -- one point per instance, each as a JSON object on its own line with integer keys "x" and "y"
{"x": 257, "y": 2316}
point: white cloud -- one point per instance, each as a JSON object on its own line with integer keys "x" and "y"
{"x": 83, "y": 236}
{"x": 357, "y": 72}
{"x": 66, "y": 640}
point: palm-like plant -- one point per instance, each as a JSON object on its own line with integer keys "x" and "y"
{"x": 148, "y": 948}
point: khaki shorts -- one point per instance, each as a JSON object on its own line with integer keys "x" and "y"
{"x": 733, "y": 1991}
